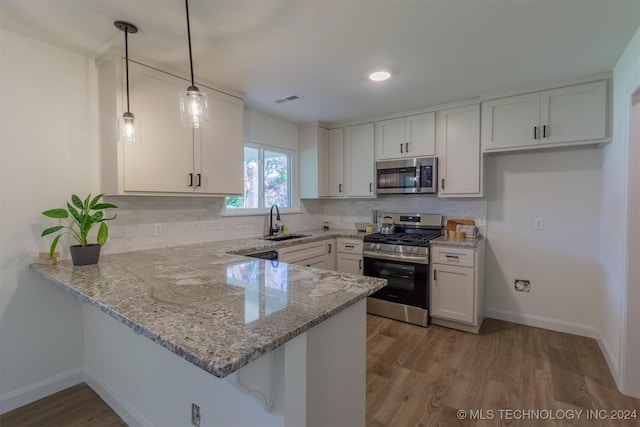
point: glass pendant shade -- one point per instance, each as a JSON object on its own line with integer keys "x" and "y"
{"x": 194, "y": 107}
{"x": 128, "y": 128}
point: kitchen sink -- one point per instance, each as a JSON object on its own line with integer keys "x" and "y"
{"x": 277, "y": 238}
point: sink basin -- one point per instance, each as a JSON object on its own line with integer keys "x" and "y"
{"x": 285, "y": 237}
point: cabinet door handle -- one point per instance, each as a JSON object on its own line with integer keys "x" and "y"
{"x": 329, "y": 248}
{"x": 434, "y": 276}
{"x": 339, "y": 188}
{"x": 360, "y": 265}
{"x": 370, "y": 187}
{"x": 452, "y": 257}
{"x": 406, "y": 147}
{"x": 544, "y": 131}
{"x": 442, "y": 182}
{"x": 400, "y": 147}
{"x": 349, "y": 246}
{"x": 190, "y": 180}
{"x": 199, "y": 180}
{"x": 535, "y": 132}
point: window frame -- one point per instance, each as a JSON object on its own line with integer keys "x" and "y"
{"x": 293, "y": 182}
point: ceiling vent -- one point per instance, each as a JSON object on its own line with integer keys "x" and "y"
{"x": 287, "y": 99}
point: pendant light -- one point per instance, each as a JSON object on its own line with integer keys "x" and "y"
{"x": 194, "y": 108}
{"x": 128, "y": 125}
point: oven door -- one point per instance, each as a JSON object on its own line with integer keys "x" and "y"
{"x": 408, "y": 283}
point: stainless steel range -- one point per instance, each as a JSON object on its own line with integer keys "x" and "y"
{"x": 401, "y": 256}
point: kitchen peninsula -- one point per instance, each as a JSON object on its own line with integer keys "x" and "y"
{"x": 291, "y": 335}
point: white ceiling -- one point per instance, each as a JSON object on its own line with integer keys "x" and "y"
{"x": 440, "y": 51}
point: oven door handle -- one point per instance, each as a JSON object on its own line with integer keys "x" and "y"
{"x": 396, "y": 257}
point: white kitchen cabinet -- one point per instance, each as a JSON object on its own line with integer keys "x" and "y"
{"x": 460, "y": 162}
{"x": 336, "y": 163}
{"x": 312, "y": 254}
{"x": 170, "y": 159}
{"x": 219, "y": 147}
{"x": 457, "y": 287}
{"x": 313, "y": 147}
{"x": 564, "y": 116}
{"x": 411, "y": 136}
{"x": 574, "y": 113}
{"x": 359, "y": 160}
{"x": 349, "y": 255}
{"x": 331, "y": 254}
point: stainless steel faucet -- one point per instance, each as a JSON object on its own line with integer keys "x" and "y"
{"x": 273, "y": 230}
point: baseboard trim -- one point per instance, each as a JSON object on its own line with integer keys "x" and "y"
{"x": 32, "y": 392}
{"x": 119, "y": 404}
{"x": 543, "y": 322}
{"x": 614, "y": 367}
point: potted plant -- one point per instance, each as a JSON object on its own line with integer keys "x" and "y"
{"x": 85, "y": 215}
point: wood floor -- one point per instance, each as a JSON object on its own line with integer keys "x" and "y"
{"x": 424, "y": 376}
{"x": 77, "y": 406}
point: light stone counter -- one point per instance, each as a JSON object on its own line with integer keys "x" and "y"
{"x": 216, "y": 309}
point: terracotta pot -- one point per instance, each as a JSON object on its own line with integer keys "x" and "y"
{"x": 86, "y": 255}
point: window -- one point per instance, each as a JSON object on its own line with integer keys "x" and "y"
{"x": 267, "y": 180}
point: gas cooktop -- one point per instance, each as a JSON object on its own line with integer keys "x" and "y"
{"x": 409, "y": 229}
{"x": 403, "y": 238}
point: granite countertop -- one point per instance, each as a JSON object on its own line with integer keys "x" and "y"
{"x": 464, "y": 243}
{"x": 216, "y": 309}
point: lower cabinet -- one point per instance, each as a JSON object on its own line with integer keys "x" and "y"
{"x": 457, "y": 287}
{"x": 331, "y": 254}
{"x": 308, "y": 254}
{"x": 349, "y": 256}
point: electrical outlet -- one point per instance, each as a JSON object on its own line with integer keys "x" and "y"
{"x": 481, "y": 222}
{"x": 538, "y": 223}
{"x": 157, "y": 230}
{"x": 195, "y": 415}
{"x": 522, "y": 285}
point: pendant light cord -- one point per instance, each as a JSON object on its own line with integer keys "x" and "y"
{"x": 126, "y": 56}
{"x": 186, "y": 4}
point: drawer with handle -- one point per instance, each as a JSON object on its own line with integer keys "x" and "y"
{"x": 353, "y": 246}
{"x": 463, "y": 257}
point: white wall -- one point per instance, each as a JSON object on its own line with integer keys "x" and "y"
{"x": 270, "y": 130}
{"x": 561, "y": 261}
{"x": 613, "y": 247}
{"x": 49, "y": 150}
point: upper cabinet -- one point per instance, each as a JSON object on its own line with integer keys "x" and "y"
{"x": 336, "y": 163}
{"x": 412, "y": 136}
{"x": 313, "y": 147}
{"x": 564, "y": 116}
{"x": 359, "y": 161}
{"x": 170, "y": 159}
{"x": 459, "y": 159}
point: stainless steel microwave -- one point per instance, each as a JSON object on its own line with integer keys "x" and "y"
{"x": 417, "y": 175}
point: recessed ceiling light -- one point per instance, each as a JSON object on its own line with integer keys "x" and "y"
{"x": 379, "y": 76}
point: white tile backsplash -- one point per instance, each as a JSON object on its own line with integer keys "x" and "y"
{"x": 190, "y": 220}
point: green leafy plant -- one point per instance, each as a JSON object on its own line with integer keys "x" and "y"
{"x": 85, "y": 215}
